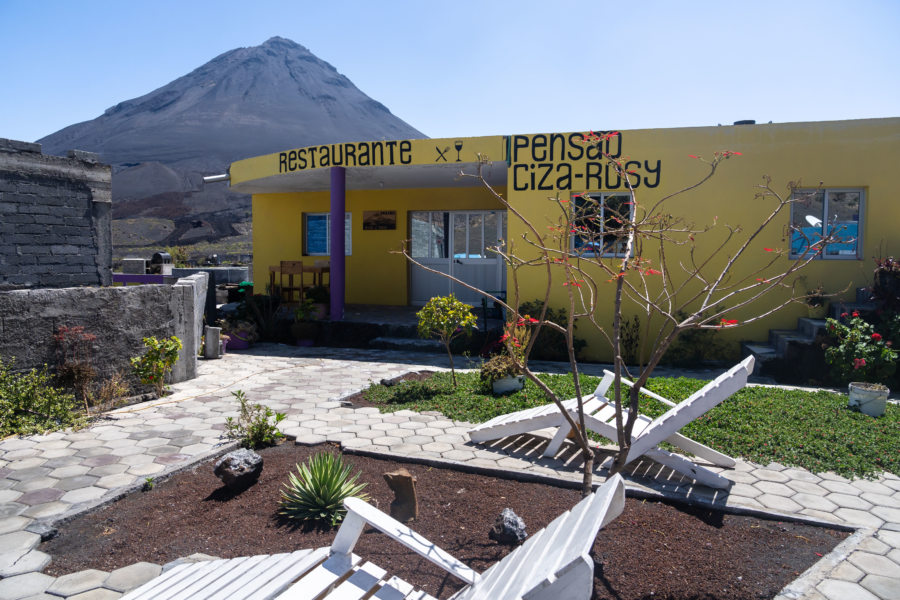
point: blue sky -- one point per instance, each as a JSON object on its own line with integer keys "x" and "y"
{"x": 476, "y": 68}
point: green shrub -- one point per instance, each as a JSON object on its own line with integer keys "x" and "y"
{"x": 446, "y": 318}
{"x": 856, "y": 352}
{"x": 253, "y": 428}
{"x": 318, "y": 490}
{"x": 157, "y": 362}
{"x": 29, "y": 403}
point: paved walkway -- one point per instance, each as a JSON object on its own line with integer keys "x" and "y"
{"x": 45, "y": 478}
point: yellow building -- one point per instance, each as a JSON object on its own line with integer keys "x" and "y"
{"x": 391, "y": 191}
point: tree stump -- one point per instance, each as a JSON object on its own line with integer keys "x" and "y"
{"x": 405, "y": 506}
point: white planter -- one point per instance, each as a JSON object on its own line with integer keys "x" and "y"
{"x": 867, "y": 398}
{"x": 510, "y": 383}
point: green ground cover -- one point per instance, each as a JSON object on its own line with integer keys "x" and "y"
{"x": 812, "y": 430}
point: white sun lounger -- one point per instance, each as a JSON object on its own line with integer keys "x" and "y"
{"x": 600, "y": 417}
{"x": 552, "y": 564}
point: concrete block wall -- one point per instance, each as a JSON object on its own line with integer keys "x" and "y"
{"x": 120, "y": 317}
{"x": 55, "y": 218}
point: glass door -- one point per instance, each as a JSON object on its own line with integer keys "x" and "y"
{"x": 456, "y": 243}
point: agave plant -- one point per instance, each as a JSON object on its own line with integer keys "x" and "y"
{"x": 318, "y": 490}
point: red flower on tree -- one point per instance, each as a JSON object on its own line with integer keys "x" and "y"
{"x": 859, "y": 362}
{"x": 876, "y": 337}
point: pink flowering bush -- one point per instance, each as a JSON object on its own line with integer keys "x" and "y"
{"x": 857, "y": 352}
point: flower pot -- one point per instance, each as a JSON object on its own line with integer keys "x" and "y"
{"x": 238, "y": 341}
{"x": 508, "y": 384}
{"x": 868, "y": 398}
{"x": 320, "y": 311}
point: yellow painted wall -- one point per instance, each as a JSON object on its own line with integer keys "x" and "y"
{"x": 861, "y": 154}
{"x": 374, "y": 274}
{"x": 856, "y": 154}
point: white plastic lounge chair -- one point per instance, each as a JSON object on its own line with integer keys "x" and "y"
{"x": 600, "y": 417}
{"x": 552, "y": 564}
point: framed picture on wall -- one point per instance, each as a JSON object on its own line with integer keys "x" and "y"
{"x": 379, "y": 219}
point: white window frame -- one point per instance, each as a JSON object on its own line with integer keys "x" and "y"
{"x": 348, "y": 237}
{"x": 857, "y": 255}
{"x": 601, "y": 197}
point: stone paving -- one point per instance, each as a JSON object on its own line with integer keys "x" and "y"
{"x": 46, "y": 478}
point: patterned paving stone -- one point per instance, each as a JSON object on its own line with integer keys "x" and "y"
{"x": 11, "y": 509}
{"x": 119, "y": 480}
{"x": 43, "y": 511}
{"x": 97, "y": 594}
{"x": 10, "y": 524}
{"x": 845, "y": 571}
{"x": 872, "y": 487}
{"x": 841, "y": 487}
{"x": 73, "y": 483}
{"x": 777, "y": 489}
{"x": 875, "y": 564}
{"x": 22, "y": 586}
{"x": 849, "y": 501}
{"x": 844, "y": 590}
{"x": 886, "y": 588}
{"x": 814, "y": 502}
{"x": 19, "y": 541}
{"x": 9, "y": 495}
{"x": 889, "y": 514}
{"x": 27, "y": 463}
{"x": 76, "y": 583}
{"x": 858, "y": 517}
{"x": 20, "y": 563}
{"x": 130, "y": 577}
{"x": 70, "y": 471}
{"x": 84, "y": 495}
{"x": 41, "y": 496}
{"x": 779, "y": 503}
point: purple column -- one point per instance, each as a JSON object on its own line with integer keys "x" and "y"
{"x": 337, "y": 276}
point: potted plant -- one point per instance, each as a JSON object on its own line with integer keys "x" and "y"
{"x": 501, "y": 373}
{"x": 239, "y": 334}
{"x": 859, "y": 355}
{"x": 815, "y": 302}
{"x": 321, "y": 300}
{"x": 304, "y": 328}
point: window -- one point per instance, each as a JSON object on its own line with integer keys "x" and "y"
{"x": 317, "y": 232}
{"x": 457, "y": 234}
{"x": 599, "y": 220}
{"x": 816, "y": 213}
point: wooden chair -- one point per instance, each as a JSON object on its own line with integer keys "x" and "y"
{"x": 600, "y": 415}
{"x": 553, "y": 564}
{"x": 290, "y": 268}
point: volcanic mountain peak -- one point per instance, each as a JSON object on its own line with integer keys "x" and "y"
{"x": 242, "y": 103}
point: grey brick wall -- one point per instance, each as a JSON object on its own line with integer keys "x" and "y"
{"x": 55, "y": 218}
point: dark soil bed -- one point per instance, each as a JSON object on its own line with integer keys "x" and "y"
{"x": 652, "y": 550}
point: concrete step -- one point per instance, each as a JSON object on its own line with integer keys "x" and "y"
{"x": 406, "y": 343}
{"x": 761, "y": 352}
{"x": 811, "y": 327}
{"x": 781, "y": 338}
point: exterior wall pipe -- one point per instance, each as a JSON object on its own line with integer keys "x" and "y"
{"x": 336, "y": 278}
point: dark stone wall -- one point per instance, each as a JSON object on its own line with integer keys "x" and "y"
{"x": 120, "y": 317}
{"x": 55, "y": 218}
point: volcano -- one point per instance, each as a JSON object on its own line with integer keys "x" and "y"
{"x": 245, "y": 102}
